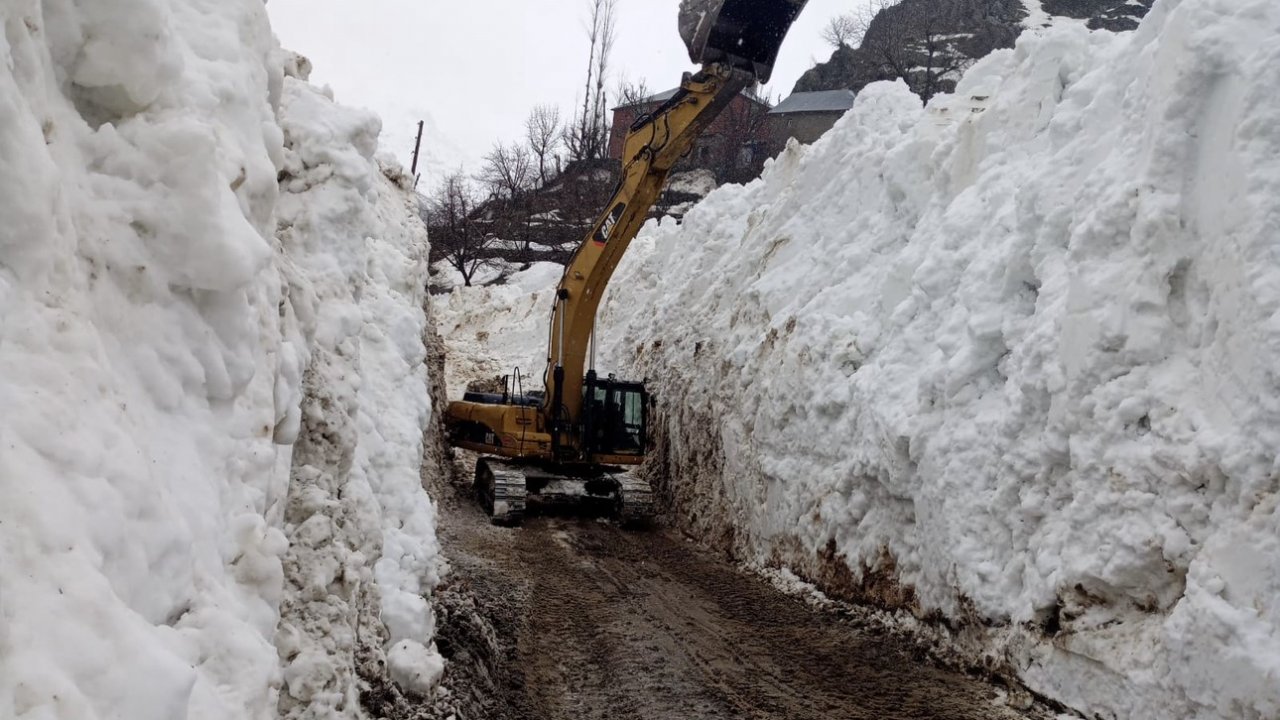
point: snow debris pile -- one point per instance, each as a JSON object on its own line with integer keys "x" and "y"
{"x": 1011, "y": 357}
{"x": 161, "y": 350}
{"x": 491, "y": 330}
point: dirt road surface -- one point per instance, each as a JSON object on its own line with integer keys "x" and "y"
{"x": 584, "y": 620}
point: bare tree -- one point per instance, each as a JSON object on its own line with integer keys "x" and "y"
{"x": 595, "y": 10}
{"x": 942, "y": 62}
{"x": 843, "y": 30}
{"x": 588, "y": 135}
{"x": 608, "y": 37}
{"x": 509, "y": 175}
{"x": 542, "y": 131}
{"x": 456, "y": 235}
{"x": 508, "y": 169}
{"x": 860, "y": 19}
{"x": 739, "y": 152}
{"x": 919, "y": 48}
{"x": 632, "y": 93}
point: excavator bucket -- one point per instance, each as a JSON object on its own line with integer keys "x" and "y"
{"x": 744, "y": 33}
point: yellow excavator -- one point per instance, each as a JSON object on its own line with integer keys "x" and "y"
{"x": 577, "y": 438}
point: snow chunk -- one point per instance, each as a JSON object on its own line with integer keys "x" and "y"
{"x": 414, "y": 667}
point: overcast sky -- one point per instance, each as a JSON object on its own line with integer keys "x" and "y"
{"x": 473, "y": 70}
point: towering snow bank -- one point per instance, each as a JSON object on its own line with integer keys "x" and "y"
{"x": 363, "y": 549}
{"x": 139, "y": 351}
{"x": 153, "y": 341}
{"x": 1012, "y": 357}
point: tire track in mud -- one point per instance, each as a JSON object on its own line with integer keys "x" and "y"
{"x": 602, "y": 623}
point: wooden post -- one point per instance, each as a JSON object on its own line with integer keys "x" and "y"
{"x": 417, "y": 146}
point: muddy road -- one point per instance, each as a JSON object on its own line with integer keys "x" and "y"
{"x": 573, "y": 618}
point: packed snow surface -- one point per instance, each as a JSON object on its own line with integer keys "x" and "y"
{"x": 1017, "y": 351}
{"x": 157, "y": 348}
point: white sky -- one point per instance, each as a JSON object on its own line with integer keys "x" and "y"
{"x": 474, "y": 69}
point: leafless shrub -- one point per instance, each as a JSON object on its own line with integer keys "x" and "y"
{"x": 456, "y": 234}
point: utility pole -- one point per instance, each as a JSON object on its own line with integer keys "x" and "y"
{"x": 417, "y": 146}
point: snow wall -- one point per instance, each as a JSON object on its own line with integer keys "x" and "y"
{"x": 1011, "y": 360}
{"x": 212, "y": 375}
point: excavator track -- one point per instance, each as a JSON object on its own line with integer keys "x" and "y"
{"x": 500, "y": 487}
{"x": 634, "y": 500}
{"x": 503, "y": 489}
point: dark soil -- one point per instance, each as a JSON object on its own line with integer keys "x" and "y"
{"x": 575, "y": 618}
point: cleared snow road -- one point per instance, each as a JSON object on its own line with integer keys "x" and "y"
{"x": 590, "y": 621}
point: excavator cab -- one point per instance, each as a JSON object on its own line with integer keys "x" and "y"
{"x": 614, "y": 418}
{"x": 746, "y": 34}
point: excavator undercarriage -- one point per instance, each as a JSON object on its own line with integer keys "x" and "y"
{"x": 507, "y": 487}
{"x": 579, "y": 440}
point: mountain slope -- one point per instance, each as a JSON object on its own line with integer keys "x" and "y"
{"x": 929, "y": 43}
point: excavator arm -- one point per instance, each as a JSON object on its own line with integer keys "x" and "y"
{"x": 654, "y": 144}
{"x": 532, "y": 444}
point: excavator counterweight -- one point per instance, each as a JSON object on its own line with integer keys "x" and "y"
{"x": 575, "y": 439}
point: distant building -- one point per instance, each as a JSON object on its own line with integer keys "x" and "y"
{"x": 806, "y": 116}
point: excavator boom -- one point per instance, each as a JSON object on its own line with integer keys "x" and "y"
{"x": 583, "y": 430}
{"x": 653, "y": 146}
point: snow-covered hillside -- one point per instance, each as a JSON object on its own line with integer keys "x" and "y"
{"x": 1011, "y": 357}
{"x": 171, "y": 324}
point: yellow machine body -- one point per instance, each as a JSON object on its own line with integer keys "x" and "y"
{"x": 584, "y": 428}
